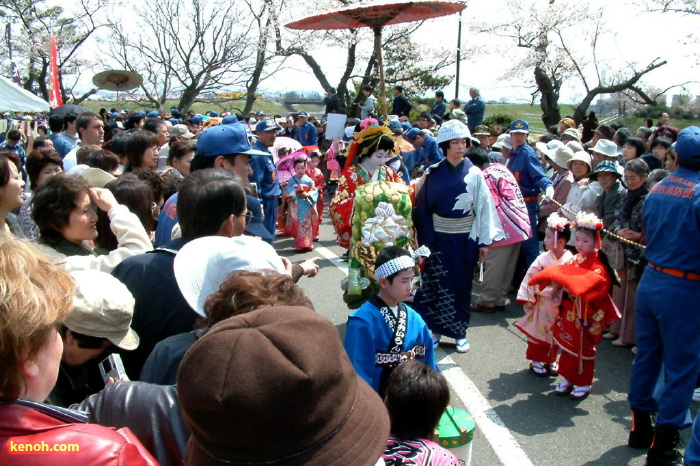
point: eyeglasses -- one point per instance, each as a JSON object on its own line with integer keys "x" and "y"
{"x": 248, "y": 217}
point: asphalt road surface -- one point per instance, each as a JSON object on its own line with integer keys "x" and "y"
{"x": 520, "y": 421}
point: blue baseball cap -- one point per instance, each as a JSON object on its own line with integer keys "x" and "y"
{"x": 255, "y": 227}
{"x": 175, "y": 112}
{"x": 268, "y": 124}
{"x": 153, "y": 114}
{"x": 197, "y": 120}
{"x": 688, "y": 144}
{"x": 411, "y": 134}
{"x": 213, "y": 113}
{"x": 304, "y": 114}
{"x": 229, "y": 120}
{"x": 395, "y": 127}
{"x": 175, "y": 121}
{"x": 519, "y": 126}
{"x": 225, "y": 140}
{"x": 406, "y": 125}
{"x": 142, "y": 113}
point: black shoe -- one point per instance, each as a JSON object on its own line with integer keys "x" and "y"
{"x": 642, "y": 432}
{"x": 346, "y": 256}
{"x": 663, "y": 449}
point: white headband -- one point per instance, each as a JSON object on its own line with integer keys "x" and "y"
{"x": 398, "y": 264}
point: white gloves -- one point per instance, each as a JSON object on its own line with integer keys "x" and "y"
{"x": 549, "y": 192}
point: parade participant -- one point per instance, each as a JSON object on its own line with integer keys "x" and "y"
{"x": 586, "y": 307}
{"x": 542, "y": 306}
{"x": 385, "y": 332}
{"x": 503, "y": 255}
{"x": 302, "y": 218}
{"x": 456, "y": 219}
{"x": 365, "y": 162}
{"x": 525, "y": 166}
{"x": 306, "y": 133}
{"x": 667, "y": 324}
{"x": 416, "y": 397}
{"x": 319, "y": 180}
{"x": 264, "y": 172}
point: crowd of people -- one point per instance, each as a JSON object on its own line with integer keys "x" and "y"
{"x": 144, "y": 306}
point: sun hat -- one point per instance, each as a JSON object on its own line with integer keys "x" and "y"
{"x": 549, "y": 147}
{"x": 687, "y": 144}
{"x": 95, "y": 177}
{"x": 275, "y": 386}
{"x": 102, "y": 307}
{"x": 482, "y": 130}
{"x": 519, "y": 126}
{"x": 268, "y": 124}
{"x": 560, "y": 156}
{"x": 581, "y": 156}
{"x": 225, "y": 140}
{"x": 255, "y": 226}
{"x": 606, "y": 148}
{"x": 181, "y": 131}
{"x": 503, "y": 141}
{"x": 575, "y": 146}
{"x": 572, "y": 133}
{"x": 457, "y": 114}
{"x": 605, "y": 166}
{"x": 203, "y": 264}
{"x": 452, "y": 129}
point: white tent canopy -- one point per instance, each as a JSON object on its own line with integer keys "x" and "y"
{"x": 14, "y": 98}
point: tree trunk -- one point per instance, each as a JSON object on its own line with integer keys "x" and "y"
{"x": 189, "y": 94}
{"x": 549, "y": 98}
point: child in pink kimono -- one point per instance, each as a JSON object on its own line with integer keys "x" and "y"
{"x": 542, "y": 306}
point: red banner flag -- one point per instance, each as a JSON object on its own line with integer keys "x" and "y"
{"x": 55, "y": 99}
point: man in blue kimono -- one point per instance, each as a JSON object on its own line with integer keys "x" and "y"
{"x": 527, "y": 170}
{"x": 668, "y": 322}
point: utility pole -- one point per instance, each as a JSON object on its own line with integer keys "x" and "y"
{"x": 459, "y": 54}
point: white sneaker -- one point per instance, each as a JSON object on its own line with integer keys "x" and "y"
{"x": 462, "y": 345}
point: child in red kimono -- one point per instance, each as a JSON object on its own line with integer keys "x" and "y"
{"x": 542, "y": 306}
{"x": 586, "y": 307}
{"x": 319, "y": 180}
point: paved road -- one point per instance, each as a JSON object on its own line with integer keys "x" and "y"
{"x": 520, "y": 421}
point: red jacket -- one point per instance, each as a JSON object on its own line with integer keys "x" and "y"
{"x": 33, "y": 425}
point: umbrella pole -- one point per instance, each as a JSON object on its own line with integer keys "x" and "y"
{"x": 378, "y": 51}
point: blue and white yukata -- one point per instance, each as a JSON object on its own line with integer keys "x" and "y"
{"x": 454, "y": 216}
{"x": 369, "y": 336}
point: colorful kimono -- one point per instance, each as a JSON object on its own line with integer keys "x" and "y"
{"x": 586, "y": 311}
{"x": 340, "y": 208}
{"x": 541, "y": 309}
{"x": 302, "y": 218}
{"x": 454, "y": 215}
{"x": 320, "y": 181}
{"x": 417, "y": 452}
{"x": 370, "y": 341}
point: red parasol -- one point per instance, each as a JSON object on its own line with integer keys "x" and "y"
{"x": 375, "y": 15}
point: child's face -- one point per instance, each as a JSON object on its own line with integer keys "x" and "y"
{"x": 549, "y": 243}
{"x": 400, "y": 287}
{"x": 300, "y": 169}
{"x": 313, "y": 162}
{"x": 584, "y": 242}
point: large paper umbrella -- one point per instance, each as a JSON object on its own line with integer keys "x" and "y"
{"x": 117, "y": 80}
{"x": 286, "y": 143}
{"x": 376, "y": 15}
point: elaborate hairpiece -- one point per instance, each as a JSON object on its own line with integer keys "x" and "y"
{"x": 557, "y": 223}
{"x": 389, "y": 268}
{"x": 373, "y": 134}
{"x": 590, "y": 222}
{"x": 367, "y": 122}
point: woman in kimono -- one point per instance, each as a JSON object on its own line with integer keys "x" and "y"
{"x": 366, "y": 158}
{"x": 302, "y": 218}
{"x": 455, "y": 217}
